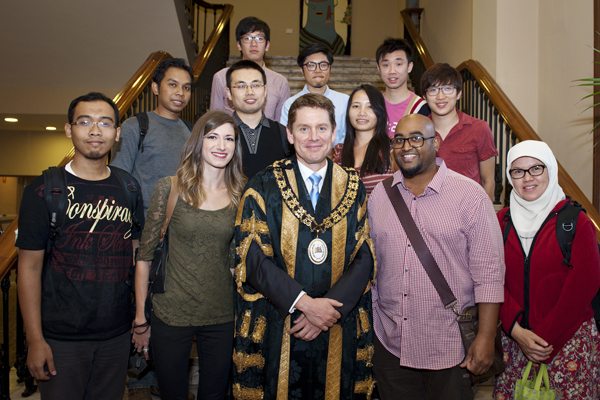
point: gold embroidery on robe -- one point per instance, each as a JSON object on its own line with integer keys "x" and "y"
{"x": 289, "y": 230}
{"x": 243, "y": 393}
{"x": 365, "y": 386}
{"x": 284, "y": 362}
{"x": 255, "y": 227}
{"x": 245, "y": 326}
{"x": 366, "y": 355}
{"x": 363, "y": 315}
{"x": 243, "y": 361}
{"x": 260, "y": 325}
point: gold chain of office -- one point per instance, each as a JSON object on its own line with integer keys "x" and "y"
{"x": 293, "y": 203}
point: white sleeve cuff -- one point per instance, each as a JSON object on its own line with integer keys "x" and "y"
{"x": 293, "y": 307}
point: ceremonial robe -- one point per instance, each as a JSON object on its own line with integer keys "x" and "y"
{"x": 273, "y": 266}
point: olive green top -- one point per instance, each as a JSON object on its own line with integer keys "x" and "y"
{"x": 198, "y": 284}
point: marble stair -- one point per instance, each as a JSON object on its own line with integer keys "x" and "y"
{"x": 346, "y": 72}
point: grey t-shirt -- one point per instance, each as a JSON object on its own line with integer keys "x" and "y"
{"x": 162, "y": 151}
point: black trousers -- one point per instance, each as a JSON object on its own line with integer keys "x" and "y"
{"x": 397, "y": 382}
{"x": 171, "y": 346}
{"x": 88, "y": 369}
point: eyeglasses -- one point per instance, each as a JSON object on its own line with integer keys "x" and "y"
{"x": 89, "y": 124}
{"x": 447, "y": 90}
{"x": 536, "y": 170}
{"x": 254, "y": 86}
{"x": 414, "y": 141}
{"x": 257, "y": 39}
{"x": 312, "y": 66}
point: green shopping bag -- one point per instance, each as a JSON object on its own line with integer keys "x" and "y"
{"x": 526, "y": 389}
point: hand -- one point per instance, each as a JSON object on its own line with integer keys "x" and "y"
{"x": 319, "y": 312}
{"x": 140, "y": 337}
{"x": 534, "y": 347}
{"x": 480, "y": 356}
{"x": 39, "y": 355}
{"x": 304, "y": 330}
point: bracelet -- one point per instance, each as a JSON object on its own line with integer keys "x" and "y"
{"x": 144, "y": 325}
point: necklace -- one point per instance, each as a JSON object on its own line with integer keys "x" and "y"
{"x": 317, "y": 249}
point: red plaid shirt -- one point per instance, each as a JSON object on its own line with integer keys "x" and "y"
{"x": 458, "y": 223}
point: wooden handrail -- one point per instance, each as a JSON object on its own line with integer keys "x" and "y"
{"x": 514, "y": 119}
{"x": 523, "y": 131}
{"x": 211, "y": 43}
{"x": 211, "y": 6}
{"x": 124, "y": 101}
{"x": 142, "y": 77}
{"x": 415, "y": 36}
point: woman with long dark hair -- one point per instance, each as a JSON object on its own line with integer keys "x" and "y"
{"x": 198, "y": 297}
{"x": 366, "y": 147}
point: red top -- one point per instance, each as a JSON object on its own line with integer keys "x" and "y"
{"x": 369, "y": 180}
{"x": 468, "y": 143}
{"x": 560, "y": 298}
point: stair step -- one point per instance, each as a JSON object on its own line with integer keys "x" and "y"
{"x": 347, "y": 72}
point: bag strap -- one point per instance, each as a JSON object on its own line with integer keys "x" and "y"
{"x": 55, "y": 196}
{"x": 144, "y": 124}
{"x": 416, "y": 239}
{"x": 566, "y": 225}
{"x": 173, "y": 196}
{"x": 131, "y": 189}
{"x": 188, "y": 124}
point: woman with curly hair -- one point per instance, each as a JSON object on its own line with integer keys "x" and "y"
{"x": 198, "y": 297}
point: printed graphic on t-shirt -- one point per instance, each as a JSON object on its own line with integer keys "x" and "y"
{"x": 95, "y": 244}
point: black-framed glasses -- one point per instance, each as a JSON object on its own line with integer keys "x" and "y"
{"x": 446, "y": 89}
{"x": 257, "y": 39}
{"x": 254, "y": 86}
{"x": 312, "y": 66}
{"x": 89, "y": 124}
{"x": 518, "y": 173}
{"x": 413, "y": 141}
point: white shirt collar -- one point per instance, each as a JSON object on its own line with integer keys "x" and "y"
{"x": 307, "y": 172}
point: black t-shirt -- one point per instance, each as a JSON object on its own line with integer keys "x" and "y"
{"x": 85, "y": 295}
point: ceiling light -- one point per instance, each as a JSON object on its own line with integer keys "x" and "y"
{"x": 50, "y": 128}
{"x": 11, "y": 120}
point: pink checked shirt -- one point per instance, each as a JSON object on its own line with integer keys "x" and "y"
{"x": 458, "y": 223}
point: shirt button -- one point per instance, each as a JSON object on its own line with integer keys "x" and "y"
{"x": 414, "y": 198}
{"x": 405, "y": 318}
{"x": 409, "y": 245}
{"x": 406, "y": 270}
{"x": 405, "y": 294}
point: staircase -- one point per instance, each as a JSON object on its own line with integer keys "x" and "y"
{"x": 346, "y": 72}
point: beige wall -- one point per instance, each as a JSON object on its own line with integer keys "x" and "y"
{"x": 28, "y": 153}
{"x": 566, "y": 33}
{"x": 372, "y": 22}
{"x": 8, "y": 199}
{"x": 484, "y": 34}
{"x": 378, "y": 20}
{"x": 279, "y": 14}
{"x": 446, "y": 29}
{"x": 517, "y": 55}
{"x": 534, "y": 49}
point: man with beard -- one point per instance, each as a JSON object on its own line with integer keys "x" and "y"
{"x": 264, "y": 140}
{"x": 75, "y": 300}
{"x": 315, "y": 62}
{"x": 418, "y": 349}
